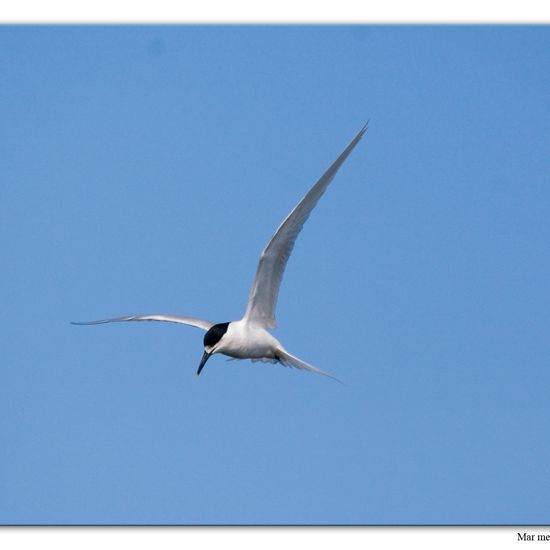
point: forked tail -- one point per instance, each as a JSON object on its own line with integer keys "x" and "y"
{"x": 289, "y": 360}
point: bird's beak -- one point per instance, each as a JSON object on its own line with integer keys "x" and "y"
{"x": 205, "y": 357}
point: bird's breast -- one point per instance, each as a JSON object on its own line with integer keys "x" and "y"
{"x": 244, "y": 342}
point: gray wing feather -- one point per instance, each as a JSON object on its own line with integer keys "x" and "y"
{"x": 265, "y": 289}
{"x": 199, "y": 323}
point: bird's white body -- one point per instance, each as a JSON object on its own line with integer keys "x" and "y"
{"x": 246, "y": 341}
{"x": 249, "y": 338}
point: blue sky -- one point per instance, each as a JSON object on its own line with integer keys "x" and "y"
{"x": 144, "y": 169}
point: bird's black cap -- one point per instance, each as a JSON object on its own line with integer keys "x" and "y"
{"x": 214, "y": 334}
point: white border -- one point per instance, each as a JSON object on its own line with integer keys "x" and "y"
{"x": 281, "y": 11}
{"x": 252, "y": 538}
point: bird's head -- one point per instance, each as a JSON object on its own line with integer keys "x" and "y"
{"x": 211, "y": 341}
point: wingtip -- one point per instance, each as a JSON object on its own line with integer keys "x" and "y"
{"x": 361, "y": 132}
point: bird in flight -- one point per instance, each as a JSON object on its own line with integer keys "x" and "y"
{"x": 249, "y": 338}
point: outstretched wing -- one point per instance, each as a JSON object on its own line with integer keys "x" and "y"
{"x": 289, "y": 360}
{"x": 199, "y": 323}
{"x": 265, "y": 289}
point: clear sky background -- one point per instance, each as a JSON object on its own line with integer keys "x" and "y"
{"x": 143, "y": 169}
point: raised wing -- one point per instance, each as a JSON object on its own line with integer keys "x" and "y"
{"x": 199, "y": 323}
{"x": 265, "y": 289}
